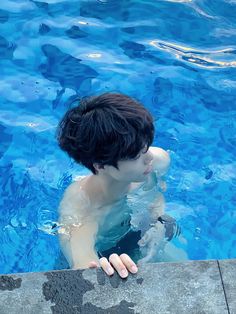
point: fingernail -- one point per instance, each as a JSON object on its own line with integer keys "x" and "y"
{"x": 109, "y": 271}
{"x": 134, "y": 269}
{"x": 124, "y": 273}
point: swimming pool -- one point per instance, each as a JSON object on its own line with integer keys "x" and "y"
{"x": 178, "y": 57}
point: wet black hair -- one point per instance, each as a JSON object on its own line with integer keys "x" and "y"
{"x": 105, "y": 129}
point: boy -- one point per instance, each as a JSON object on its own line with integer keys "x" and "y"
{"x": 110, "y": 135}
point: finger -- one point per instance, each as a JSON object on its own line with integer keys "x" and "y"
{"x": 106, "y": 266}
{"x": 117, "y": 263}
{"x": 129, "y": 264}
{"x": 93, "y": 264}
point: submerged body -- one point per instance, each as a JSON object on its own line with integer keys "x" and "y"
{"x": 111, "y": 135}
{"x": 95, "y": 213}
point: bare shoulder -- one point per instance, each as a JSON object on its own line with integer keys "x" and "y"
{"x": 160, "y": 154}
{"x": 161, "y": 160}
{"x": 72, "y": 190}
{"x": 72, "y": 193}
{"x": 74, "y": 201}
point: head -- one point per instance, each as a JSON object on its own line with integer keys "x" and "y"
{"x": 109, "y": 134}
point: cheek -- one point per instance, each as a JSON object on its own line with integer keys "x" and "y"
{"x": 131, "y": 169}
{"x": 134, "y": 168}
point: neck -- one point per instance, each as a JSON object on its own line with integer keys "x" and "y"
{"x": 106, "y": 189}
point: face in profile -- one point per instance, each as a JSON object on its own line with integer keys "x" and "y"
{"x": 132, "y": 170}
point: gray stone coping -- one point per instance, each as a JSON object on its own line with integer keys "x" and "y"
{"x": 188, "y": 287}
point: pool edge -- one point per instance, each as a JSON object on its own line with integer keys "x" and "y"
{"x": 183, "y": 287}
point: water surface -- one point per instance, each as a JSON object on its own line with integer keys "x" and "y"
{"x": 177, "y": 57}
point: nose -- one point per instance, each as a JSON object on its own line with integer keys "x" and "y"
{"x": 148, "y": 158}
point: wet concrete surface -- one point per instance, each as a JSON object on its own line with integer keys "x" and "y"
{"x": 228, "y": 273}
{"x": 178, "y": 288}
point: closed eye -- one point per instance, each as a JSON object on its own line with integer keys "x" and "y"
{"x": 142, "y": 152}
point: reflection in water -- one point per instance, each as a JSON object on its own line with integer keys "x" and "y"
{"x": 184, "y": 1}
{"x": 199, "y": 57}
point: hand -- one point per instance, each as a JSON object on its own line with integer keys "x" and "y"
{"x": 152, "y": 243}
{"x": 123, "y": 264}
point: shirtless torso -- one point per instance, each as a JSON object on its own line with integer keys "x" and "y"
{"x": 87, "y": 201}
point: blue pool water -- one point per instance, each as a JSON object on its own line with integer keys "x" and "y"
{"x": 178, "y": 57}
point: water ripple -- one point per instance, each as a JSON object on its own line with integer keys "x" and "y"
{"x": 203, "y": 58}
{"x": 181, "y": 1}
{"x": 54, "y": 51}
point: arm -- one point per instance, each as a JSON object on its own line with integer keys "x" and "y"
{"x": 160, "y": 163}
{"x": 78, "y": 228}
{"x": 78, "y": 245}
{"x": 161, "y": 160}
{"x": 157, "y": 207}
{"x": 153, "y": 240}
{"x": 77, "y": 237}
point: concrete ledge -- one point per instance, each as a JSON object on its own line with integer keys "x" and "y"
{"x": 178, "y": 288}
{"x": 228, "y": 274}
